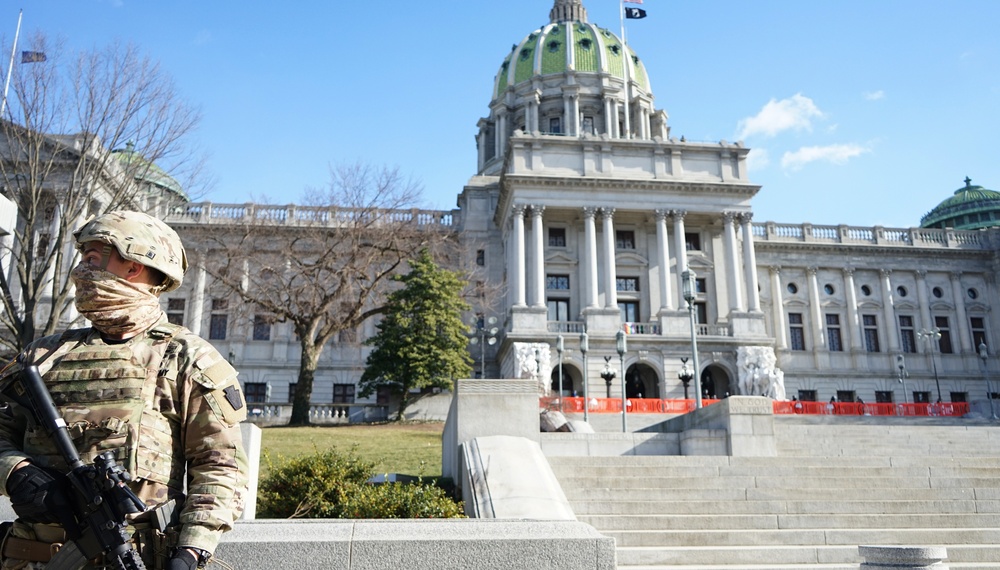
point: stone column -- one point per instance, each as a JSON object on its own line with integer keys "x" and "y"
{"x": 853, "y": 320}
{"x": 750, "y": 262}
{"x": 663, "y": 254}
{"x": 818, "y": 324}
{"x": 732, "y": 267}
{"x": 501, "y": 134}
{"x": 517, "y": 267}
{"x": 197, "y": 295}
{"x": 538, "y": 256}
{"x": 926, "y": 322}
{"x": 778, "y": 308}
{"x": 590, "y": 255}
{"x": 964, "y": 334}
{"x": 611, "y": 276}
{"x": 888, "y": 309}
{"x": 680, "y": 246}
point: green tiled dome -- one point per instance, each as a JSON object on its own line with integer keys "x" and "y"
{"x": 970, "y": 208}
{"x": 146, "y": 171}
{"x": 567, "y": 45}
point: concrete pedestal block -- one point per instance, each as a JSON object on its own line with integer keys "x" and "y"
{"x": 903, "y": 557}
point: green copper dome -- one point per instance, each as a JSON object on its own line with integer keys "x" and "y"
{"x": 970, "y": 208}
{"x": 569, "y": 44}
{"x": 145, "y": 171}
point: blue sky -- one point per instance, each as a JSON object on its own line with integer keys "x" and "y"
{"x": 859, "y": 112}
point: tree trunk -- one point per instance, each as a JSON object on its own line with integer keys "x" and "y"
{"x": 304, "y": 387}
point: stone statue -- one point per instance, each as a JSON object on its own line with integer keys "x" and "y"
{"x": 528, "y": 367}
{"x": 758, "y": 374}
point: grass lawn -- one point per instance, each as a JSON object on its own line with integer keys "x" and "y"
{"x": 411, "y": 448}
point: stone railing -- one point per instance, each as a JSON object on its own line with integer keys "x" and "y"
{"x": 267, "y": 414}
{"x": 293, "y": 215}
{"x": 642, "y": 328}
{"x": 714, "y": 330}
{"x": 566, "y": 326}
{"x": 877, "y": 235}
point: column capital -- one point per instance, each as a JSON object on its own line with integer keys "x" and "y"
{"x": 746, "y": 217}
{"x": 921, "y": 273}
{"x": 537, "y": 210}
{"x": 955, "y": 275}
{"x": 519, "y": 209}
{"x": 774, "y": 269}
{"x": 728, "y": 217}
{"x": 678, "y": 215}
{"x": 885, "y": 272}
{"x": 607, "y": 212}
{"x": 848, "y": 271}
{"x": 812, "y": 270}
{"x": 589, "y": 211}
{"x": 662, "y": 215}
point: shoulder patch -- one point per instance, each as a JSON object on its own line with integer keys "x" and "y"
{"x": 233, "y": 396}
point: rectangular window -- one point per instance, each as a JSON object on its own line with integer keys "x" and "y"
{"x": 343, "y": 393}
{"x": 555, "y": 125}
{"x": 701, "y": 313}
{"x": 700, "y": 285}
{"x": 847, "y": 396}
{"x": 588, "y": 124}
{"x": 959, "y": 396}
{"x": 217, "y": 327}
{"x": 255, "y": 392}
{"x": 627, "y": 284}
{"x": 291, "y": 391}
{"x": 625, "y": 239}
{"x": 558, "y": 309}
{"x": 944, "y": 343}
{"x": 42, "y": 245}
{"x": 807, "y": 395}
{"x": 557, "y": 282}
{"x": 220, "y": 304}
{"x": 796, "y": 331}
{"x": 557, "y": 237}
{"x": 175, "y": 311}
{"x": 834, "y": 342}
{"x": 907, "y": 334}
{"x": 921, "y": 397}
{"x": 883, "y": 397}
{"x": 692, "y": 241}
{"x": 871, "y": 333}
{"x": 481, "y": 257}
{"x": 630, "y": 311}
{"x": 978, "y": 325}
{"x": 261, "y": 327}
{"x": 383, "y": 395}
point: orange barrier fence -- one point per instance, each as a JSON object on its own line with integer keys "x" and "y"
{"x": 656, "y": 406}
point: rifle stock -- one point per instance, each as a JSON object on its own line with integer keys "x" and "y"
{"x": 100, "y": 496}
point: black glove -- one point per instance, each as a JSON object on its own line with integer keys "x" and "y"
{"x": 182, "y": 559}
{"x": 38, "y": 495}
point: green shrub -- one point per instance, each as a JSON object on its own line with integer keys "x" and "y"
{"x": 331, "y": 484}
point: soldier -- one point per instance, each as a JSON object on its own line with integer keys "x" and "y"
{"x": 160, "y": 397}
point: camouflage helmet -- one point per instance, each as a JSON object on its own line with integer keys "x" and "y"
{"x": 141, "y": 238}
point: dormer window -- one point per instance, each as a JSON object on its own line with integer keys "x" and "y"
{"x": 585, "y": 43}
{"x": 525, "y": 54}
{"x": 615, "y": 49}
{"x": 554, "y": 46}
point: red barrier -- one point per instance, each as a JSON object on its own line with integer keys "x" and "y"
{"x": 574, "y": 405}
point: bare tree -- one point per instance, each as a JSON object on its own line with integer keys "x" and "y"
{"x": 82, "y": 134}
{"x": 325, "y": 267}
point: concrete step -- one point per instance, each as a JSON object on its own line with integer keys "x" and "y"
{"x": 789, "y": 521}
{"x": 637, "y": 493}
{"x": 782, "y": 507}
{"x": 778, "y": 537}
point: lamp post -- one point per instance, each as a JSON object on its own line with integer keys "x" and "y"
{"x": 932, "y": 336}
{"x": 984, "y": 354}
{"x": 901, "y": 366}
{"x": 620, "y": 345}
{"x": 584, "y": 347}
{"x": 685, "y": 376}
{"x": 688, "y": 281}
{"x": 608, "y": 374}
{"x": 559, "y": 350}
{"x": 484, "y": 333}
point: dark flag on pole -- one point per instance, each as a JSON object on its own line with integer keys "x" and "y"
{"x": 634, "y": 13}
{"x": 32, "y": 56}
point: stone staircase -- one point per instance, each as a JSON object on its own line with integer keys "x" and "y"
{"x": 836, "y": 483}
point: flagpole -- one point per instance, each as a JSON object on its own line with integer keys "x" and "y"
{"x": 625, "y": 60}
{"x": 10, "y": 68}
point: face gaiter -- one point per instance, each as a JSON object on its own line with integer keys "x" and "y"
{"x": 116, "y": 307}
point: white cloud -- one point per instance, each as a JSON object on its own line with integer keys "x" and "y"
{"x": 835, "y": 154}
{"x": 794, "y": 113}
{"x": 758, "y": 159}
{"x": 874, "y": 95}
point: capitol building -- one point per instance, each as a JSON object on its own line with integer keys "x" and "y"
{"x": 584, "y": 214}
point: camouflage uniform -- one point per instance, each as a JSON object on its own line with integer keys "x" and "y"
{"x": 165, "y": 402}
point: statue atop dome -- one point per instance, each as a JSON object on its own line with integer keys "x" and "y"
{"x": 568, "y": 11}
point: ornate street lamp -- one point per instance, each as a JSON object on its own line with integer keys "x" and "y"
{"x": 620, "y": 345}
{"x": 608, "y": 374}
{"x": 984, "y": 354}
{"x": 901, "y": 366}
{"x": 685, "y": 376}
{"x": 483, "y": 333}
{"x": 932, "y": 336}
{"x": 689, "y": 288}
{"x": 584, "y": 347}
{"x": 559, "y": 350}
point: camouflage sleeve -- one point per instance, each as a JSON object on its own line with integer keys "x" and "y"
{"x": 12, "y": 428}
{"x": 213, "y": 447}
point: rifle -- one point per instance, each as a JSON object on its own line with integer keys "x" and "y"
{"x": 101, "y": 499}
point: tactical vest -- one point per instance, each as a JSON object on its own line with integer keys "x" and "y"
{"x": 118, "y": 397}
